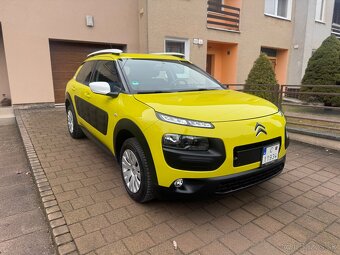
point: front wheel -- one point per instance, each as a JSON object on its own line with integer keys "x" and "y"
{"x": 136, "y": 172}
{"x": 72, "y": 124}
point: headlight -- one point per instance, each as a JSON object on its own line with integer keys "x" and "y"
{"x": 185, "y": 122}
{"x": 185, "y": 142}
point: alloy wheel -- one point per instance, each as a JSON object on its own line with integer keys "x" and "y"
{"x": 131, "y": 171}
{"x": 70, "y": 121}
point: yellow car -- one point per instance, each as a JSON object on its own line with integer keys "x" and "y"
{"x": 172, "y": 127}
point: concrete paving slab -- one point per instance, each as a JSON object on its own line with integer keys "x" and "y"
{"x": 23, "y": 228}
{"x": 33, "y": 243}
{"x": 7, "y": 116}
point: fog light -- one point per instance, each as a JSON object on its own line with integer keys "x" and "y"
{"x": 178, "y": 183}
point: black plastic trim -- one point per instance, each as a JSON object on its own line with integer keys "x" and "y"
{"x": 68, "y": 98}
{"x": 92, "y": 114}
{"x": 126, "y": 125}
{"x": 251, "y": 153}
{"x": 197, "y": 160}
{"x": 96, "y": 141}
{"x": 287, "y": 140}
{"x": 226, "y": 184}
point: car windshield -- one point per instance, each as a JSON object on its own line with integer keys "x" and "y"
{"x": 161, "y": 76}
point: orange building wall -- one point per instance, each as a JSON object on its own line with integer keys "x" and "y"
{"x": 224, "y": 66}
{"x": 281, "y": 66}
{"x": 230, "y": 64}
{"x": 237, "y": 3}
{"x": 217, "y": 61}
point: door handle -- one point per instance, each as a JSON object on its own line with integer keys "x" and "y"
{"x": 73, "y": 88}
{"x": 87, "y": 95}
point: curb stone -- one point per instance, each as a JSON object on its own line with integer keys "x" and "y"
{"x": 61, "y": 236}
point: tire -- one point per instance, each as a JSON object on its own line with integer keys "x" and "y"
{"x": 135, "y": 168}
{"x": 72, "y": 124}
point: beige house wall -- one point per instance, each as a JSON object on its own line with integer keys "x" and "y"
{"x": 143, "y": 25}
{"x": 28, "y": 25}
{"x": 259, "y": 30}
{"x": 187, "y": 19}
{"x": 4, "y": 83}
{"x": 178, "y": 19}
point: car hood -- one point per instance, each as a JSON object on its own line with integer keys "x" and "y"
{"x": 212, "y": 106}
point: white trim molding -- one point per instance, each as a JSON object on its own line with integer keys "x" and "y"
{"x": 183, "y": 40}
{"x": 320, "y": 11}
{"x": 275, "y": 6}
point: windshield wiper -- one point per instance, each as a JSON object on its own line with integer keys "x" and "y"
{"x": 154, "y": 91}
{"x": 173, "y": 91}
{"x": 199, "y": 89}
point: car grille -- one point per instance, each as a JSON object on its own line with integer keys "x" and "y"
{"x": 247, "y": 180}
{"x": 251, "y": 153}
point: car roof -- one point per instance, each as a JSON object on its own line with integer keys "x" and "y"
{"x": 111, "y": 56}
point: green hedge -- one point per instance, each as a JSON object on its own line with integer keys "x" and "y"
{"x": 323, "y": 69}
{"x": 262, "y": 77}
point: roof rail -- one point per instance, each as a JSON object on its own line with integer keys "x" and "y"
{"x": 175, "y": 54}
{"x": 106, "y": 51}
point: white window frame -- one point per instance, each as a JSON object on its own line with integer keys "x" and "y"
{"x": 275, "y": 15}
{"x": 186, "y": 45}
{"x": 317, "y": 10}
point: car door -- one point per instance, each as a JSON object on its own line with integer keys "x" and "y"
{"x": 100, "y": 108}
{"x": 81, "y": 82}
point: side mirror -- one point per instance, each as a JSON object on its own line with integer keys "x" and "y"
{"x": 102, "y": 88}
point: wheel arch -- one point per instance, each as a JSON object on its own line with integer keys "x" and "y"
{"x": 125, "y": 129}
{"x": 68, "y": 100}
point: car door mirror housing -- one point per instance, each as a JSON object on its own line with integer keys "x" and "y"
{"x": 102, "y": 88}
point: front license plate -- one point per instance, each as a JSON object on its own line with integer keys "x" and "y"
{"x": 270, "y": 153}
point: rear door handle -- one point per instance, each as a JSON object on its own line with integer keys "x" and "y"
{"x": 73, "y": 88}
{"x": 87, "y": 95}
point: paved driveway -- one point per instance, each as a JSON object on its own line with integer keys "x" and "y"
{"x": 295, "y": 213}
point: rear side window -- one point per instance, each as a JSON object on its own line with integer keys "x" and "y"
{"x": 107, "y": 71}
{"x": 85, "y": 72}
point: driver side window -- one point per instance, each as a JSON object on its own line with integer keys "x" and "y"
{"x": 106, "y": 71}
{"x": 85, "y": 73}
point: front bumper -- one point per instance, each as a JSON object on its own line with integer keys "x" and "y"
{"x": 238, "y": 139}
{"x": 226, "y": 184}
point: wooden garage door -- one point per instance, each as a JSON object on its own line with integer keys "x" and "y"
{"x": 66, "y": 58}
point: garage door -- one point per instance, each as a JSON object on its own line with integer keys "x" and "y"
{"x": 66, "y": 58}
